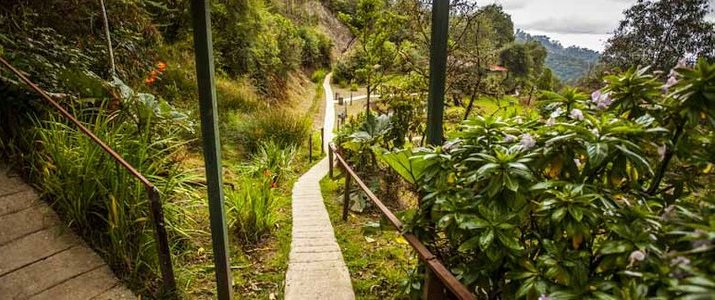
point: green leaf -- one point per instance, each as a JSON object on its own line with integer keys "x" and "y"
{"x": 486, "y": 239}
{"x": 597, "y": 152}
{"x": 411, "y": 168}
{"x": 470, "y": 244}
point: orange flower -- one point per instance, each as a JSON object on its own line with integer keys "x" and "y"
{"x": 154, "y": 73}
{"x": 161, "y": 66}
{"x": 149, "y": 80}
{"x": 267, "y": 173}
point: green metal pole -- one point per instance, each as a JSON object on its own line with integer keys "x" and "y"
{"x": 212, "y": 150}
{"x": 438, "y": 70}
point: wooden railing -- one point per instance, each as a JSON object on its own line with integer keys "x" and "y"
{"x": 439, "y": 281}
{"x": 157, "y": 212}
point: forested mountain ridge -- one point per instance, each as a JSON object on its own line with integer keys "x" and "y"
{"x": 568, "y": 63}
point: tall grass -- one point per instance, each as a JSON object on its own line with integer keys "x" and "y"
{"x": 282, "y": 127}
{"x": 271, "y": 161}
{"x": 100, "y": 199}
{"x": 250, "y": 209}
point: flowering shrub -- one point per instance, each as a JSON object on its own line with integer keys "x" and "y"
{"x": 608, "y": 196}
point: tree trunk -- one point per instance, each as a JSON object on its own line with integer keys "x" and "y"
{"x": 666, "y": 159}
{"x": 109, "y": 39}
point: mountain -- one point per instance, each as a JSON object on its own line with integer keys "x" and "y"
{"x": 569, "y": 63}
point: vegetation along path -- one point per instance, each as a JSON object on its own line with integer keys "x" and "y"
{"x": 316, "y": 269}
{"x": 42, "y": 259}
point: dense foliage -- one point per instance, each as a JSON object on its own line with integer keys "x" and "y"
{"x": 661, "y": 32}
{"x": 608, "y": 196}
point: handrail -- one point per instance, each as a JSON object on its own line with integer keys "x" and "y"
{"x": 435, "y": 265}
{"x": 155, "y": 205}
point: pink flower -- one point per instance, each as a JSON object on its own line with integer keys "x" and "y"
{"x": 527, "y": 141}
{"x": 602, "y": 100}
{"x": 636, "y": 256}
{"x": 671, "y": 82}
{"x": 576, "y": 114}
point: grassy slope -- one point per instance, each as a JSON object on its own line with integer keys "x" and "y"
{"x": 378, "y": 261}
{"x": 258, "y": 270}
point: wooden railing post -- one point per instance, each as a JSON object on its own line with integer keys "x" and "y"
{"x": 330, "y": 161}
{"x": 310, "y": 147}
{"x": 346, "y": 197}
{"x": 322, "y": 141}
{"x": 433, "y": 287}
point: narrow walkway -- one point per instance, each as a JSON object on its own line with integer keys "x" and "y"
{"x": 316, "y": 269}
{"x": 42, "y": 259}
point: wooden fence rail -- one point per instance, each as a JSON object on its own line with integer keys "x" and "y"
{"x": 446, "y": 286}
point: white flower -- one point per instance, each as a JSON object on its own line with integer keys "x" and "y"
{"x": 682, "y": 63}
{"x": 557, "y": 112}
{"x": 595, "y": 131}
{"x": 576, "y": 114}
{"x": 636, "y": 256}
{"x": 544, "y": 297}
{"x": 550, "y": 122}
{"x": 661, "y": 151}
{"x": 680, "y": 260}
{"x": 577, "y": 162}
{"x": 527, "y": 141}
{"x": 509, "y": 138}
{"x": 595, "y": 96}
{"x": 602, "y": 100}
{"x": 668, "y": 84}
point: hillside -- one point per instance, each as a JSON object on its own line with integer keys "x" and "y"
{"x": 568, "y": 63}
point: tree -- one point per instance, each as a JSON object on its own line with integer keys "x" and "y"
{"x": 659, "y": 33}
{"x": 374, "y": 25}
{"x": 525, "y": 62}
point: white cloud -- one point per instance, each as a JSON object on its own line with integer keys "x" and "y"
{"x": 584, "y": 23}
{"x": 570, "y": 25}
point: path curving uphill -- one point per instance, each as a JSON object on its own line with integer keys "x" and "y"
{"x": 316, "y": 269}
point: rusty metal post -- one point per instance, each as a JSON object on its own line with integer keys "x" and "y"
{"x": 346, "y": 197}
{"x": 330, "y": 162}
{"x": 434, "y": 288}
{"x": 162, "y": 242}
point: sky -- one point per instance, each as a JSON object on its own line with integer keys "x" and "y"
{"x": 583, "y": 23}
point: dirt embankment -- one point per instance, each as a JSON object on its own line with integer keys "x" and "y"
{"x": 330, "y": 25}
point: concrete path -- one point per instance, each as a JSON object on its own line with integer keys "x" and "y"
{"x": 40, "y": 258}
{"x": 316, "y": 269}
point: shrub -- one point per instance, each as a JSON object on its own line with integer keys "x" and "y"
{"x": 102, "y": 200}
{"x": 250, "y": 209}
{"x": 271, "y": 161}
{"x": 576, "y": 203}
{"x": 279, "y": 126}
{"x": 318, "y": 75}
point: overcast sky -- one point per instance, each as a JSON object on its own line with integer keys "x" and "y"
{"x": 584, "y": 23}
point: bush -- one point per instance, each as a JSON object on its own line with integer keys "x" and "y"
{"x": 608, "y": 197}
{"x": 279, "y": 126}
{"x": 103, "y": 201}
{"x": 271, "y": 161}
{"x": 318, "y": 75}
{"x": 250, "y": 209}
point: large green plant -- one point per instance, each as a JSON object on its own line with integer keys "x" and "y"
{"x": 574, "y": 204}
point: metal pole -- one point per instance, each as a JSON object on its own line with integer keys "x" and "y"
{"x": 212, "y": 151}
{"x": 162, "y": 243}
{"x": 438, "y": 69}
